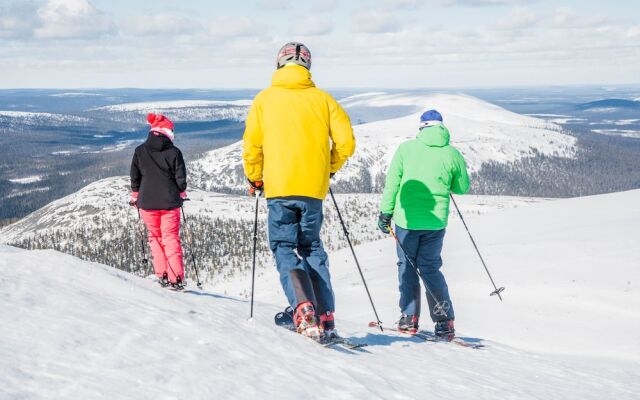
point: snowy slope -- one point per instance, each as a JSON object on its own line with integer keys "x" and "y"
{"x": 482, "y": 131}
{"x": 566, "y": 330}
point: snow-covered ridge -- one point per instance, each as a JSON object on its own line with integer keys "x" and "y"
{"x": 483, "y": 132}
{"x": 172, "y": 104}
{"x": 15, "y": 118}
{"x": 178, "y": 110}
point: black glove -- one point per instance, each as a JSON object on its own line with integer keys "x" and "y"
{"x": 384, "y": 222}
{"x": 133, "y": 201}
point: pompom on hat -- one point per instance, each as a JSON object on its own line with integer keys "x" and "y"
{"x": 161, "y": 125}
{"x": 430, "y": 118}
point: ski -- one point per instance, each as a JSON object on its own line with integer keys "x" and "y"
{"x": 284, "y": 319}
{"x": 429, "y": 336}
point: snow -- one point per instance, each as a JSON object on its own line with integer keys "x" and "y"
{"x": 26, "y": 192}
{"x": 39, "y": 118}
{"x": 483, "y": 132}
{"x": 630, "y": 133}
{"x": 567, "y": 328}
{"x": 621, "y": 122}
{"x": 602, "y": 110}
{"x": 76, "y": 94}
{"x": 550, "y": 115}
{"x": 27, "y": 179}
{"x": 179, "y": 110}
{"x": 171, "y": 104}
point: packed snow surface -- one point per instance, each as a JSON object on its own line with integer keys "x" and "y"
{"x": 567, "y": 328}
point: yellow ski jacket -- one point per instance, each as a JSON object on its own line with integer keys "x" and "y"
{"x": 295, "y": 136}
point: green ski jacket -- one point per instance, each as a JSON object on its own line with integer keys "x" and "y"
{"x": 422, "y": 174}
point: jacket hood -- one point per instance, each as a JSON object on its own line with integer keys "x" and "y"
{"x": 434, "y": 136}
{"x": 158, "y": 142}
{"x": 292, "y": 77}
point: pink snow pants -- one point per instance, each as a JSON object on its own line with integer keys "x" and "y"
{"x": 164, "y": 240}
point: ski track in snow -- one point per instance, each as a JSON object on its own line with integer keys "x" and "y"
{"x": 567, "y": 328}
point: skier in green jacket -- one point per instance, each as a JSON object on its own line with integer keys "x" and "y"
{"x": 423, "y": 173}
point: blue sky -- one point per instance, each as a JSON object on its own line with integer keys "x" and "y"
{"x": 357, "y": 43}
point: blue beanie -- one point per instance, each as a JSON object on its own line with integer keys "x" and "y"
{"x": 429, "y": 118}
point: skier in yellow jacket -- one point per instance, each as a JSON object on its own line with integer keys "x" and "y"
{"x": 296, "y": 137}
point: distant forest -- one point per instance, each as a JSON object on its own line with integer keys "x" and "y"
{"x": 604, "y": 164}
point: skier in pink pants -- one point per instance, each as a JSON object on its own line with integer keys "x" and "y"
{"x": 158, "y": 184}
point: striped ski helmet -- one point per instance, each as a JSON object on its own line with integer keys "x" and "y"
{"x": 294, "y": 52}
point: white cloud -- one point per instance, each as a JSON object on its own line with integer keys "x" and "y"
{"x": 72, "y": 19}
{"x": 311, "y": 25}
{"x": 566, "y": 17}
{"x": 17, "y": 20}
{"x": 161, "y": 24}
{"x": 324, "y": 5}
{"x": 274, "y": 4}
{"x": 226, "y": 26}
{"x": 375, "y": 21}
{"x": 519, "y": 18}
{"x": 633, "y": 32}
{"x": 480, "y": 3}
{"x": 392, "y": 5}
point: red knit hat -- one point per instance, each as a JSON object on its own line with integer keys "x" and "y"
{"x": 161, "y": 125}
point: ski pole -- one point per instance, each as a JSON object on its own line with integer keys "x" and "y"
{"x": 255, "y": 247}
{"x": 346, "y": 234}
{"x": 442, "y": 307}
{"x": 497, "y": 290}
{"x": 144, "y": 252}
{"x": 190, "y": 242}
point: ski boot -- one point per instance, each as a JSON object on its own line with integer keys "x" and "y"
{"x": 164, "y": 281}
{"x": 305, "y": 320}
{"x": 328, "y": 325}
{"x": 408, "y": 324}
{"x": 445, "y": 330}
{"x": 178, "y": 285}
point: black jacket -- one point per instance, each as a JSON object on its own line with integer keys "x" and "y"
{"x": 158, "y": 173}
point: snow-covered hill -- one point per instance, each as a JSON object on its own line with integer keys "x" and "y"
{"x": 567, "y": 328}
{"x": 21, "y": 119}
{"x": 482, "y": 131}
{"x": 97, "y": 224}
{"x": 178, "y": 110}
